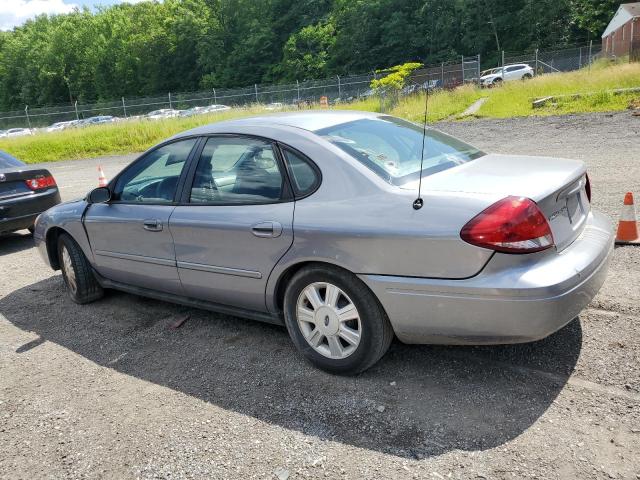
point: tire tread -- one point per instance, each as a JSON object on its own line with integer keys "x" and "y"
{"x": 89, "y": 290}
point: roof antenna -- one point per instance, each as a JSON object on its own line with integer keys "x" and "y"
{"x": 418, "y": 202}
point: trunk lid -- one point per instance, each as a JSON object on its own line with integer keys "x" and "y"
{"x": 12, "y": 182}
{"x": 557, "y": 185}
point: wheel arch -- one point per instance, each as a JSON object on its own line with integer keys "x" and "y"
{"x": 52, "y": 236}
{"x": 287, "y": 274}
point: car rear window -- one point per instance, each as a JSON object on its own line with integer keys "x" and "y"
{"x": 392, "y": 147}
{"x": 7, "y": 161}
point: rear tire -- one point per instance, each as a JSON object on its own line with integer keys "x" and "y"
{"x": 345, "y": 329}
{"x": 77, "y": 272}
{"x": 527, "y": 76}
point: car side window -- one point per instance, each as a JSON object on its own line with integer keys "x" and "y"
{"x": 237, "y": 170}
{"x": 154, "y": 178}
{"x": 304, "y": 176}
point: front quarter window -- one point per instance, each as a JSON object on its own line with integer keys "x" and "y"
{"x": 392, "y": 148}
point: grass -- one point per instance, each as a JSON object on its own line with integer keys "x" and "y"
{"x": 442, "y": 104}
{"x": 513, "y": 99}
{"x": 108, "y": 139}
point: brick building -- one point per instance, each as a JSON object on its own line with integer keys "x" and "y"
{"x": 622, "y": 36}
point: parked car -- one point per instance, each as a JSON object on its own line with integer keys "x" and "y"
{"x": 202, "y": 110}
{"x": 162, "y": 114}
{"x": 25, "y": 192}
{"x": 506, "y": 248}
{"x": 61, "y": 125}
{"x": 508, "y": 73}
{"x": 274, "y": 106}
{"x": 97, "y": 120}
{"x": 217, "y": 108}
{"x": 19, "y": 132}
{"x": 193, "y": 111}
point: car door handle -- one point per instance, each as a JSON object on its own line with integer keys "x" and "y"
{"x": 152, "y": 225}
{"x": 267, "y": 229}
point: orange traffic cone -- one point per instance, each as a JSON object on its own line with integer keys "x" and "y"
{"x": 102, "y": 178}
{"x": 628, "y": 226}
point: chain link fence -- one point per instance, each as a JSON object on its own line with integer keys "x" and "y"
{"x": 553, "y": 61}
{"x": 447, "y": 75}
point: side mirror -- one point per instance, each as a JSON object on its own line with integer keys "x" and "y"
{"x": 99, "y": 195}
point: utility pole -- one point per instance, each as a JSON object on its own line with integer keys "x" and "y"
{"x": 124, "y": 107}
{"x": 493, "y": 25}
{"x": 26, "y": 112}
{"x": 170, "y": 105}
{"x": 580, "y": 60}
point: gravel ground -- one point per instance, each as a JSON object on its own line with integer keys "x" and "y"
{"x": 111, "y": 390}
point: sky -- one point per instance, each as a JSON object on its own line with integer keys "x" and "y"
{"x": 16, "y": 12}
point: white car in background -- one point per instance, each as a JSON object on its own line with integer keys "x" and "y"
{"x": 162, "y": 114}
{"x": 193, "y": 111}
{"x": 19, "y": 132}
{"x": 203, "y": 110}
{"x": 61, "y": 125}
{"x": 217, "y": 108}
{"x": 274, "y": 106}
{"x": 495, "y": 76}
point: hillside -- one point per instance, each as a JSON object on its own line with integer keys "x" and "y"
{"x": 151, "y": 48}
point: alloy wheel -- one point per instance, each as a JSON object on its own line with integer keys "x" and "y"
{"x": 328, "y": 320}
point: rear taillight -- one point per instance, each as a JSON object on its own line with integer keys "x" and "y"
{"x": 512, "y": 225}
{"x": 40, "y": 182}
{"x": 587, "y": 187}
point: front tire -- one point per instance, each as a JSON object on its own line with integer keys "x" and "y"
{"x": 335, "y": 321}
{"x": 77, "y": 272}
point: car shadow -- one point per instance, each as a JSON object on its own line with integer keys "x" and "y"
{"x": 15, "y": 242}
{"x": 418, "y": 401}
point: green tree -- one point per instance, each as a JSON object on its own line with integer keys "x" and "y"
{"x": 306, "y": 52}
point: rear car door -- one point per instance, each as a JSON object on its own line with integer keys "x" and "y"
{"x": 513, "y": 73}
{"x": 130, "y": 236}
{"x": 235, "y": 222}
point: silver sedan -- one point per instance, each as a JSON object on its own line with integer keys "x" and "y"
{"x": 308, "y": 220}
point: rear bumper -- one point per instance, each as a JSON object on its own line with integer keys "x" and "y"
{"x": 514, "y": 299}
{"x": 21, "y": 212}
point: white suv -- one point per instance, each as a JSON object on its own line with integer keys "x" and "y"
{"x": 495, "y": 76}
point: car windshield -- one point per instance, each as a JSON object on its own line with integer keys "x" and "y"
{"x": 7, "y": 161}
{"x": 392, "y": 148}
{"x": 493, "y": 71}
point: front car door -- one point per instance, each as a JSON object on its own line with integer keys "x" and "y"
{"x": 235, "y": 222}
{"x": 130, "y": 236}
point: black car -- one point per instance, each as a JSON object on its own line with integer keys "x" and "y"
{"x": 25, "y": 193}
